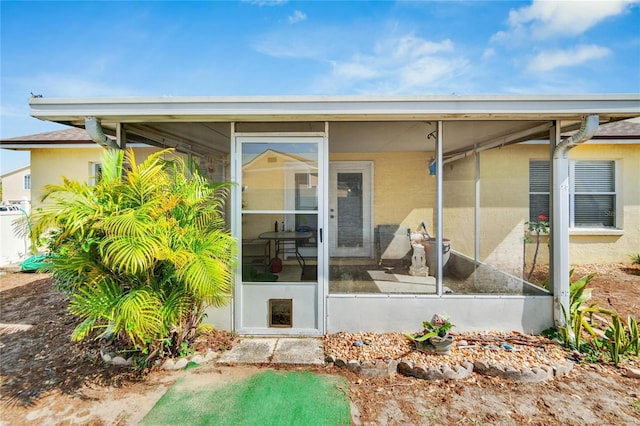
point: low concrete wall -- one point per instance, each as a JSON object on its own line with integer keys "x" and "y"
{"x": 13, "y": 248}
{"x": 396, "y": 313}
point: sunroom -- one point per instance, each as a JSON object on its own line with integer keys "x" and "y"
{"x": 372, "y": 213}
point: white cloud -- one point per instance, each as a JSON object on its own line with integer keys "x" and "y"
{"x": 297, "y": 16}
{"x": 545, "y": 19}
{"x": 355, "y": 69}
{"x": 265, "y": 2}
{"x": 295, "y": 42}
{"x": 409, "y": 46}
{"x": 406, "y": 64}
{"x": 553, "y": 59}
{"x": 488, "y": 53}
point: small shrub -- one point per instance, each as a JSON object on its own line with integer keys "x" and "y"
{"x": 636, "y": 258}
{"x": 621, "y": 339}
{"x": 618, "y": 340}
{"x": 578, "y": 319}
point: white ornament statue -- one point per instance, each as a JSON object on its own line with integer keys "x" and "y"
{"x": 418, "y": 266}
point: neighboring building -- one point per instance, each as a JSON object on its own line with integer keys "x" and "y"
{"x": 350, "y": 176}
{"x": 16, "y": 196}
{"x": 16, "y": 186}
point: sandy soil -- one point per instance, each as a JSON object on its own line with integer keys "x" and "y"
{"x": 45, "y": 379}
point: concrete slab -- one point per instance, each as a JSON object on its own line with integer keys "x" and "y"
{"x": 283, "y": 350}
{"x": 298, "y": 351}
{"x": 250, "y": 351}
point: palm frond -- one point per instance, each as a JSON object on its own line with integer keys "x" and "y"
{"x": 176, "y": 305}
{"x": 131, "y": 255}
{"x": 137, "y": 314}
{"x": 97, "y": 299}
{"x": 83, "y": 329}
{"x": 131, "y": 223}
{"x": 112, "y": 166}
{"x": 208, "y": 279}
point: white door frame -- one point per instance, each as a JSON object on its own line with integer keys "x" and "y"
{"x": 366, "y": 168}
{"x": 259, "y": 291}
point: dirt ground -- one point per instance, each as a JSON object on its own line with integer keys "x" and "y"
{"x": 46, "y": 379}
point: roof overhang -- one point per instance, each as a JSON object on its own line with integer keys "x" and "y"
{"x": 171, "y": 121}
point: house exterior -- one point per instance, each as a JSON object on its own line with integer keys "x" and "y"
{"x": 16, "y": 185}
{"x": 347, "y": 180}
{"x": 70, "y": 153}
{"x": 609, "y": 237}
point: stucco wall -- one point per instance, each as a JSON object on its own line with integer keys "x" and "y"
{"x": 403, "y": 197}
{"x": 504, "y": 201}
{"x": 404, "y": 192}
{"x": 49, "y": 165}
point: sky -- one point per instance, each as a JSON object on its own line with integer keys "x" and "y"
{"x": 261, "y": 47}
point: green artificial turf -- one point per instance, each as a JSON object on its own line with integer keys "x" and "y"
{"x": 268, "y": 398}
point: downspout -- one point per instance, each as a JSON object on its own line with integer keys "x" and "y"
{"x": 94, "y": 129}
{"x": 560, "y": 215}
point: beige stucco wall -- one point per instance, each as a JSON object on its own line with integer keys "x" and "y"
{"x": 404, "y": 192}
{"x": 504, "y": 201}
{"x": 50, "y": 165}
{"x": 13, "y": 190}
{"x": 613, "y": 248}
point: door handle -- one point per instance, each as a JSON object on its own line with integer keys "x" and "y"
{"x": 320, "y": 231}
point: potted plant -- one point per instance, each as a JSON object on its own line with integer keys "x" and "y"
{"x": 435, "y": 337}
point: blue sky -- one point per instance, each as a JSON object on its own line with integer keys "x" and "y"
{"x": 87, "y": 49}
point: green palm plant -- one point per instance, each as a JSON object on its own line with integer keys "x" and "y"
{"x": 142, "y": 253}
{"x": 580, "y": 315}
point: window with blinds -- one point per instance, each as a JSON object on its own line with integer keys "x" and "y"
{"x": 592, "y": 195}
{"x": 539, "y": 184}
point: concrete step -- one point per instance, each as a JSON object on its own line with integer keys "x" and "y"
{"x": 275, "y": 350}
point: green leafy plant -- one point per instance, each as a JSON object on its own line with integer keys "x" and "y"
{"x": 141, "y": 253}
{"x": 185, "y": 349}
{"x": 538, "y": 227}
{"x": 430, "y": 329}
{"x": 634, "y": 336}
{"x": 636, "y": 258}
{"x": 621, "y": 338}
{"x": 579, "y": 318}
{"x": 580, "y": 332}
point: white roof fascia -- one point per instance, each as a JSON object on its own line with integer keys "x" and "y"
{"x": 29, "y": 146}
{"x": 17, "y": 170}
{"x": 449, "y": 107}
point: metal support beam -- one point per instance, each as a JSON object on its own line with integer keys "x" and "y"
{"x": 496, "y": 141}
{"x": 476, "y": 224}
{"x": 439, "y": 211}
{"x": 121, "y": 136}
{"x": 554, "y": 140}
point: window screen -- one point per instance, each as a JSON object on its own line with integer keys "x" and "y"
{"x": 538, "y": 189}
